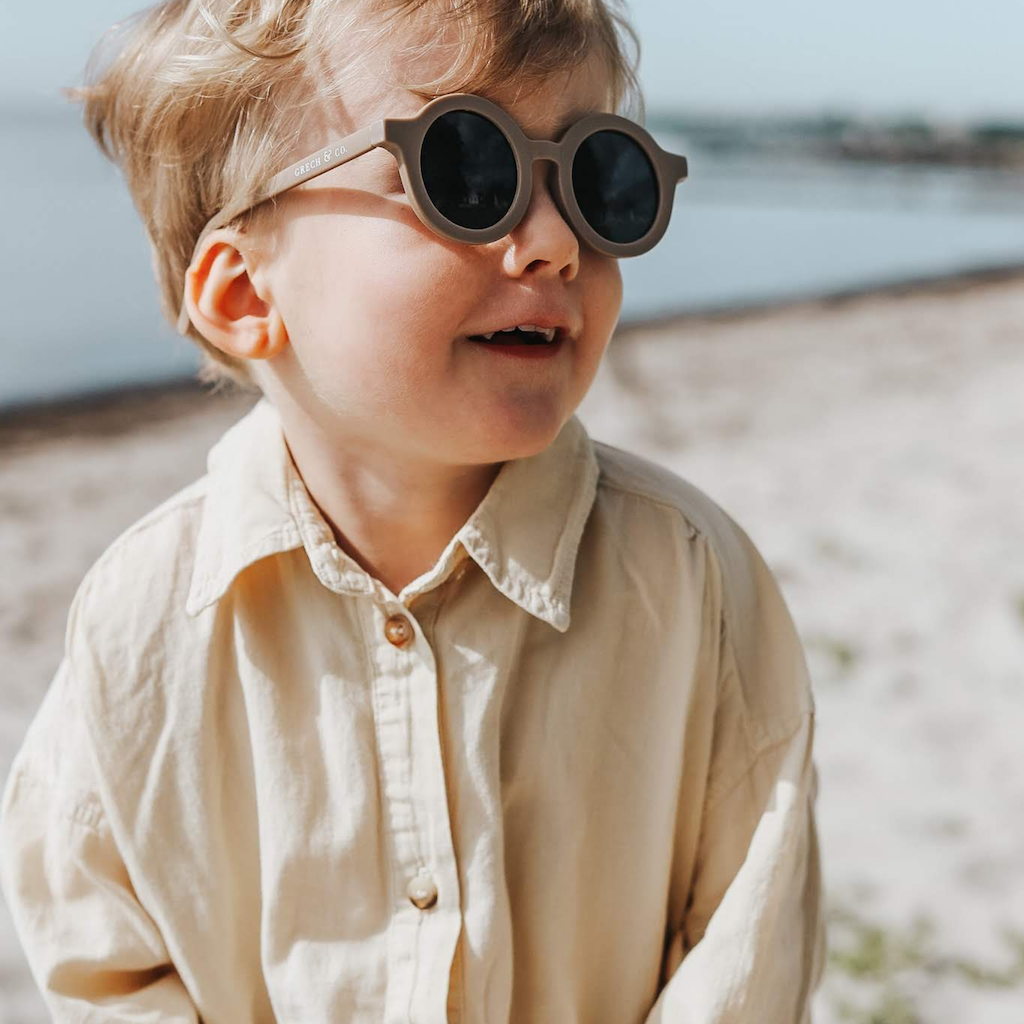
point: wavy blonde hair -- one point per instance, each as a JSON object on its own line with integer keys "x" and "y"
{"x": 200, "y": 102}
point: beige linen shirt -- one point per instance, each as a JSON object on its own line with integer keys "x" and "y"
{"x": 564, "y": 777}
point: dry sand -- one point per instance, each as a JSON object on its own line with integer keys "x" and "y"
{"x": 871, "y": 446}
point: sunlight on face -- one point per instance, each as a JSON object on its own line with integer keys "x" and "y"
{"x": 378, "y": 307}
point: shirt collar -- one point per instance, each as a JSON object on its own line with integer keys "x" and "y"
{"x": 524, "y": 534}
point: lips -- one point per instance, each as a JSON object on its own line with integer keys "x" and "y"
{"x": 551, "y": 318}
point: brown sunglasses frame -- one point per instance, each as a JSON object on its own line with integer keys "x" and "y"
{"x": 403, "y": 138}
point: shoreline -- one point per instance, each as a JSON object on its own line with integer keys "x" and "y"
{"x": 939, "y": 284}
{"x": 96, "y": 409}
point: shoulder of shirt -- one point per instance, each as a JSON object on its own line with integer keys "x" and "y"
{"x": 178, "y": 514}
{"x": 659, "y": 487}
{"x": 124, "y": 599}
{"x": 755, "y": 620}
{"x": 152, "y": 561}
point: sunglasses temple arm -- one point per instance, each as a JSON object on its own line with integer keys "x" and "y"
{"x": 306, "y": 169}
{"x": 325, "y": 158}
{"x": 682, "y": 168}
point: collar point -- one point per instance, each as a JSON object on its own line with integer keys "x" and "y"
{"x": 558, "y": 616}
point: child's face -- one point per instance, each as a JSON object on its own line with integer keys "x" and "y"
{"x": 378, "y": 308}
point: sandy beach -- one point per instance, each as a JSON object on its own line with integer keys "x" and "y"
{"x": 871, "y": 446}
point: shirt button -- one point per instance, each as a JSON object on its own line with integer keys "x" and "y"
{"x": 422, "y": 892}
{"x": 398, "y": 631}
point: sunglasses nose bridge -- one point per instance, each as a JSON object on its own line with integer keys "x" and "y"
{"x": 540, "y": 149}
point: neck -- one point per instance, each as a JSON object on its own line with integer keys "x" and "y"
{"x": 394, "y": 516}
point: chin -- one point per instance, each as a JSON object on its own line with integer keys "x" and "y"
{"x": 517, "y": 437}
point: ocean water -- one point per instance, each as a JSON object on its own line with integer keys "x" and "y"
{"x": 82, "y": 312}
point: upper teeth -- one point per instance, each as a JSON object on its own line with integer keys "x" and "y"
{"x": 548, "y": 332}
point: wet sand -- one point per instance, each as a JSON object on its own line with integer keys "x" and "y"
{"x": 871, "y": 446}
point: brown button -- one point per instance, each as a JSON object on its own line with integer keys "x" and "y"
{"x": 422, "y": 892}
{"x": 398, "y": 631}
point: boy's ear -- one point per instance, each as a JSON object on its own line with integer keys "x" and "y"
{"x": 226, "y": 306}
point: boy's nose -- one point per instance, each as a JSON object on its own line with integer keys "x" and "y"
{"x": 544, "y": 237}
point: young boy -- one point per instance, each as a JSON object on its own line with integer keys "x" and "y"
{"x": 420, "y": 705}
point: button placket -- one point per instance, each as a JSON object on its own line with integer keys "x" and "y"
{"x": 424, "y": 930}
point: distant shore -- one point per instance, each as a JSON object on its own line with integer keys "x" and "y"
{"x": 985, "y": 143}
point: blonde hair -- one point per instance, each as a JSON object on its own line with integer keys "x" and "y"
{"x": 202, "y": 101}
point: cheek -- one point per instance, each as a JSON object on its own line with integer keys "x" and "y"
{"x": 375, "y": 300}
{"x": 415, "y": 297}
{"x": 611, "y": 284}
{"x": 407, "y": 273}
{"x": 603, "y": 298}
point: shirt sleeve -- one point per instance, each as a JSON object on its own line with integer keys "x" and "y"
{"x": 750, "y": 946}
{"x": 94, "y": 952}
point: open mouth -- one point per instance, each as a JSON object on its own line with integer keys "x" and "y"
{"x": 518, "y": 337}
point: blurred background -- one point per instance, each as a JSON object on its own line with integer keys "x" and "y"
{"x": 830, "y": 149}
{"x": 829, "y": 341}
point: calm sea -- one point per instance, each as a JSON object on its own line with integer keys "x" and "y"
{"x": 81, "y": 310}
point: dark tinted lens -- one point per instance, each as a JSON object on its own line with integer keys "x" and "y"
{"x": 615, "y": 185}
{"x": 468, "y": 169}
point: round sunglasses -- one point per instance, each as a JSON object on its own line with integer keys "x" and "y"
{"x": 466, "y": 167}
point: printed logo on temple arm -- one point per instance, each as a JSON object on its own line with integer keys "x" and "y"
{"x": 324, "y": 158}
